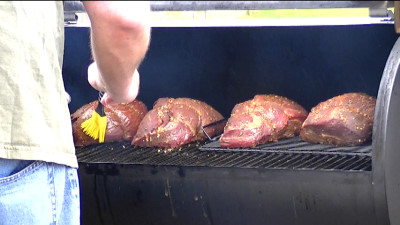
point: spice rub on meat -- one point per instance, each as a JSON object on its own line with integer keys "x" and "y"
{"x": 263, "y": 119}
{"x": 122, "y": 121}
{"x": 344, "y": 120}
{"x": 174, "y": 122}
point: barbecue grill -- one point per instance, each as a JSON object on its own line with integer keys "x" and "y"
{"x": 287, "y": 182}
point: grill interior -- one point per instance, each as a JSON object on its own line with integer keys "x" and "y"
{"x": 286, "y": 154}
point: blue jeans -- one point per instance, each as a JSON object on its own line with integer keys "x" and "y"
{"x": 36, "y": 192}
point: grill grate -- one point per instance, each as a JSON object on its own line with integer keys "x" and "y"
{"x": 286, "y": 154}
{"x": 293, "y": 145}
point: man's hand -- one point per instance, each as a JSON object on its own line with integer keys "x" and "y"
{"x": 123, "y": 96}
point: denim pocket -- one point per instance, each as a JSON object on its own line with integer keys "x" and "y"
{"x": 25, "y": 194}
{"x": 11, "y": 169}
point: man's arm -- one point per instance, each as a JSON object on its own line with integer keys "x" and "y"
{"x": 120, "y": 36}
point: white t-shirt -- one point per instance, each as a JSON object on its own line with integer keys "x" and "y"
{"x": 35, "y": 120}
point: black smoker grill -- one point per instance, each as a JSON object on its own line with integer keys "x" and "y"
{"x": 289, "y": 182}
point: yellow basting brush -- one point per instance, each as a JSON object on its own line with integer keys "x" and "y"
{"x": 96, "y": 125}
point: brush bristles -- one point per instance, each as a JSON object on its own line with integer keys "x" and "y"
{"x": 95, "y": 126}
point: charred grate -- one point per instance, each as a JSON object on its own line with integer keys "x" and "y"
{"x": 297, "y": 156}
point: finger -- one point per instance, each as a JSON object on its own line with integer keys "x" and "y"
{"x": 94, "y": 77}
{"x": 106, "y": 100}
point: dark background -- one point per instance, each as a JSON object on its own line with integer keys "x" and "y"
{"x": 227, "y": 65}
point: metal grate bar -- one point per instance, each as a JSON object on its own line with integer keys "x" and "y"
{"x": 158, "y": 157}
{"x": 280, "y": 161}
{"x": 317, "y": 162}
{"x": 177, "y": 158}
{"x": 255, "y": 158}
{"x": 302, "y": 164}
{"x": 213, "y": 158}
{"x": 329, "y": 162}
{"x": 337, "y": 164}
{"x": 365, "y": 166}
{"x": 344, "y": 162}
{"x": 283, "y": 145}
{"x": 142, "y": 156}
{"x": 244, "y": 159}
{"x": 233, "y": 161}
{"x": 273, "y": 158}
{"x": 199, "y": 160}
{"x": 115, "y": 153}
{"x": 293, "y": 159}
{"x": 290, "y": 153}
{"x": 354, "y": 164}
{"x": 226, "y": 159}
{"x": 180, "y": 158}
{"x": 268, "y": 158}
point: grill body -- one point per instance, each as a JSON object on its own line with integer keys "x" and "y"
{"x": 291, "y": 182}
{"x": 212, "y": 186}
{"x": 145, "y": 194}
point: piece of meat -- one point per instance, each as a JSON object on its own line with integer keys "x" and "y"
{"x": 122, "y": 121}
{"x": 263, "y": 119}
{"x": 344, "y": 120}
{"x": 174, "y": 122}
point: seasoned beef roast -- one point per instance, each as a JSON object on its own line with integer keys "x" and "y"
{"x": 122, "y": 121}
{"x": 263, "y": 119}
{"x": 174, "y": 122}
{"x": 344, "y": 120}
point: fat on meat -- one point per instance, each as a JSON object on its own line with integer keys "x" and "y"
{"x": 173, "y": 122}
{"x": 263, "y": 119}
{"x": 122, "y": 121}
{"x": 344, "y": 120}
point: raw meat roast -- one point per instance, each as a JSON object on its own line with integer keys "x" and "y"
{"x": 345, "y": 120}
{"x": 263, "y": 119}
{"x": 174, "y": 122}
{"x": 122, "y": 121}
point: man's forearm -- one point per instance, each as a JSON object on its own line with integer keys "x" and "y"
{"x": 120, "y": 35}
